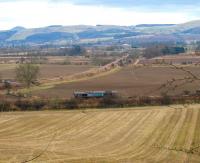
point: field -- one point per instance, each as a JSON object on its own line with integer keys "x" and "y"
{"x": 148, "y": 134}
{"x": 47, "y": 71}
{"x": 129, "y": 81}
{"x": 174, "y": 59}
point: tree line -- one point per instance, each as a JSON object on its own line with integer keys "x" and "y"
{"x": 161, "y": 50}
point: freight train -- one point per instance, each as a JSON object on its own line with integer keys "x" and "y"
{"x": 95, "y": 94}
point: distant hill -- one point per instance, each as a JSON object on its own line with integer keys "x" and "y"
{"x": 188, "y": 25}
{"x": 154, "y": 25}
{"x": 58, "y": 34}
{"x": 49, "y": 37}
{"x": 18, "y": 28}
{"x": 4, "y": 35}
{"x": 195, "y": 30}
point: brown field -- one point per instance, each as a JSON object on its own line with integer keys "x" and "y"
{"x": 135, "y": 135}
{"x": 174, "y": 59}
{"x": 47, "y": 71}
{"x": 78, "y": 60}
{"x": 73, "y": 60}
{"x": 129, "y": 81}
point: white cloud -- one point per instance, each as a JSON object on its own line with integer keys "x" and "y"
{"x": 42, "y": 13}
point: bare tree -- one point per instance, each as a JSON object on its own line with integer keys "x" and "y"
{"x": 1, "y": 78}
{"x": 27, "y": 74}
{"x": 197, "y": 50}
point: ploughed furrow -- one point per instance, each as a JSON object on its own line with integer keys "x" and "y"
{"x": 146, "y": 149}
{"x": 70, "y": 139}
{"x": 149, "y": 134}
{"x": 118, "y": 137}
{"x": 36, "y": 127}
{"x": 181, "y": 137}
{"x": 172, "y": 134}
{"x": 196, "y": 139}
{"x": 129, "y": 142}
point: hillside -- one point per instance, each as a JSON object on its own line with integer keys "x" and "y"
{"x": 146, "y": 134}
{"x": 188, "y": 25}
{"x": 57, "y": 34}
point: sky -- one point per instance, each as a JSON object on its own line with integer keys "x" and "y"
{"x": 40, "y": 13}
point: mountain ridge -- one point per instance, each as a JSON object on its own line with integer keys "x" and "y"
{"x": 78, "y": 33}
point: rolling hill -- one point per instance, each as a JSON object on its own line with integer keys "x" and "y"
{"x": 55, "y": 34}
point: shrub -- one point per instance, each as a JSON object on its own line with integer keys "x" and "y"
{"x": 26, "y": 105}
{"x": 165, "y": 100}
{"x": 55, "y": 104}
{"x": 38, "y": 104}
{"x": 23, "y": 105}
{"x": 112, "y": 101}
{"x": 186, "y": 92}
{"x": 144, "y": 101}
{"x": 71, "y": 104}
{"x": 5, "y": 106}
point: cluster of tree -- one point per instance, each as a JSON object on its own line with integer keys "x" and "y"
{"x": 197, "y": 50}
{"x": 27, "y": 74}
{"x": 43, "y": 51}
{"x": 161, "y": 50}
{"x": 73, "y": 50}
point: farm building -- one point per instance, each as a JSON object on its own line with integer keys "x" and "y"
{"x": 94, "y": 94}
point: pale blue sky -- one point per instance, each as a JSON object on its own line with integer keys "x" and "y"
{"x": 37, "y": 13}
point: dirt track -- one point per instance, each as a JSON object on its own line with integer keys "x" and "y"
{"x": 151, "y": 134}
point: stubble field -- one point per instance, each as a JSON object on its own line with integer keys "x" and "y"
{"x": 149, "y": 134}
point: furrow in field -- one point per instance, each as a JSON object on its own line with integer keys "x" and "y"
{"x": 110, "y": 148}
{"x": 190, "y": 133}
{"x": 131, "y": 135}
{"x": 112, "y": 136}
{"x": 196, "y": 138}
{"x": 30, "y": 128}
{"x": 150, "y": 137}
{"x": 81, "y": 145}
{"x": 107, "y": 136}
{"x": 176, "y": 128}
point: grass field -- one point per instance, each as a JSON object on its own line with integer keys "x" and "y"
{"x": 129, "y": 81}
{"x": 149, "y": 134}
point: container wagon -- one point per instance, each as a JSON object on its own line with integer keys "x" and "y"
{"x": 94, "y": 94}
